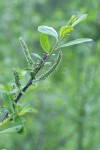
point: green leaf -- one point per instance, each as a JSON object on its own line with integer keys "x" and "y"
{"x": 15, "y": 129}
{"x": 65, "y": 29}
{"x": 7, "y": 102}
{"x": 19, "y": 120}
{"x": 27, "y": 109}
{"x": 48, "y": 30}
{"x": 22, "y": 130}
{"x": 77, "y": 41}
{"x": 83, "y": 17}
{"x": 44, "y": 41}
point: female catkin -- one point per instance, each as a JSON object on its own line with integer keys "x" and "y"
{"x": 27, "y": 54}
{"x": 52, "y": 69}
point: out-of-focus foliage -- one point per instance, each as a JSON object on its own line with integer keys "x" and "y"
{"x": 68, "y": 102}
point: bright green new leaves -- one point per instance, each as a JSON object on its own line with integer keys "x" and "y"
{"x": 7, "y": 102}
{"x": 15, "y": 129}
{"x": 77, "y": 41}
{"x": 72, "y": 20}
{"x": 44, "y": 41}
{"x": 48, "y": 30}
{"x": 71, "y": 23}
{"x": 65, "y": 30}
{"x": 83, "y": 17}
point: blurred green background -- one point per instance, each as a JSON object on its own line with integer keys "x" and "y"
{"x": 68, "y": 103}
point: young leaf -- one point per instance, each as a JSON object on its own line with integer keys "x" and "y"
{"x": 70, "y": 22}
{"x": 77, "y": 41}
{"x": 7, "y": 101}
{"x": 65, "y": 29}
{"x": 7, "y": 120}
{"x": 15, "y": 129}
{"x": 83, "y": 17}
{"x": 18, "y": 120}
{"x": 44, "y": 41}
{"x": 27, "y": 109}
{"x": 48, "y": 30}
{"x": 36, "y": 55}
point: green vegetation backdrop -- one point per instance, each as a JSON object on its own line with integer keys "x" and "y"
{"x": 68, "y": 103}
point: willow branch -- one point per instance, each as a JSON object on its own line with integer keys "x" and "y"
{"x": 29, "y": 83}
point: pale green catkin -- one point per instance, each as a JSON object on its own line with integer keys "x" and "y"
{"x": 27, "y": 54}
{"x": 17, "y": 78}
{"x": 52, "y": 69}
{"x": 13, "y": 91}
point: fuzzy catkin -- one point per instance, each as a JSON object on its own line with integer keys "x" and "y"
{"x": 26, "y": 53}
{"x": 52, "y": 69}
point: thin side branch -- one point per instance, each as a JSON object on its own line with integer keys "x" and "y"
{"x": 29, "y": 83}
